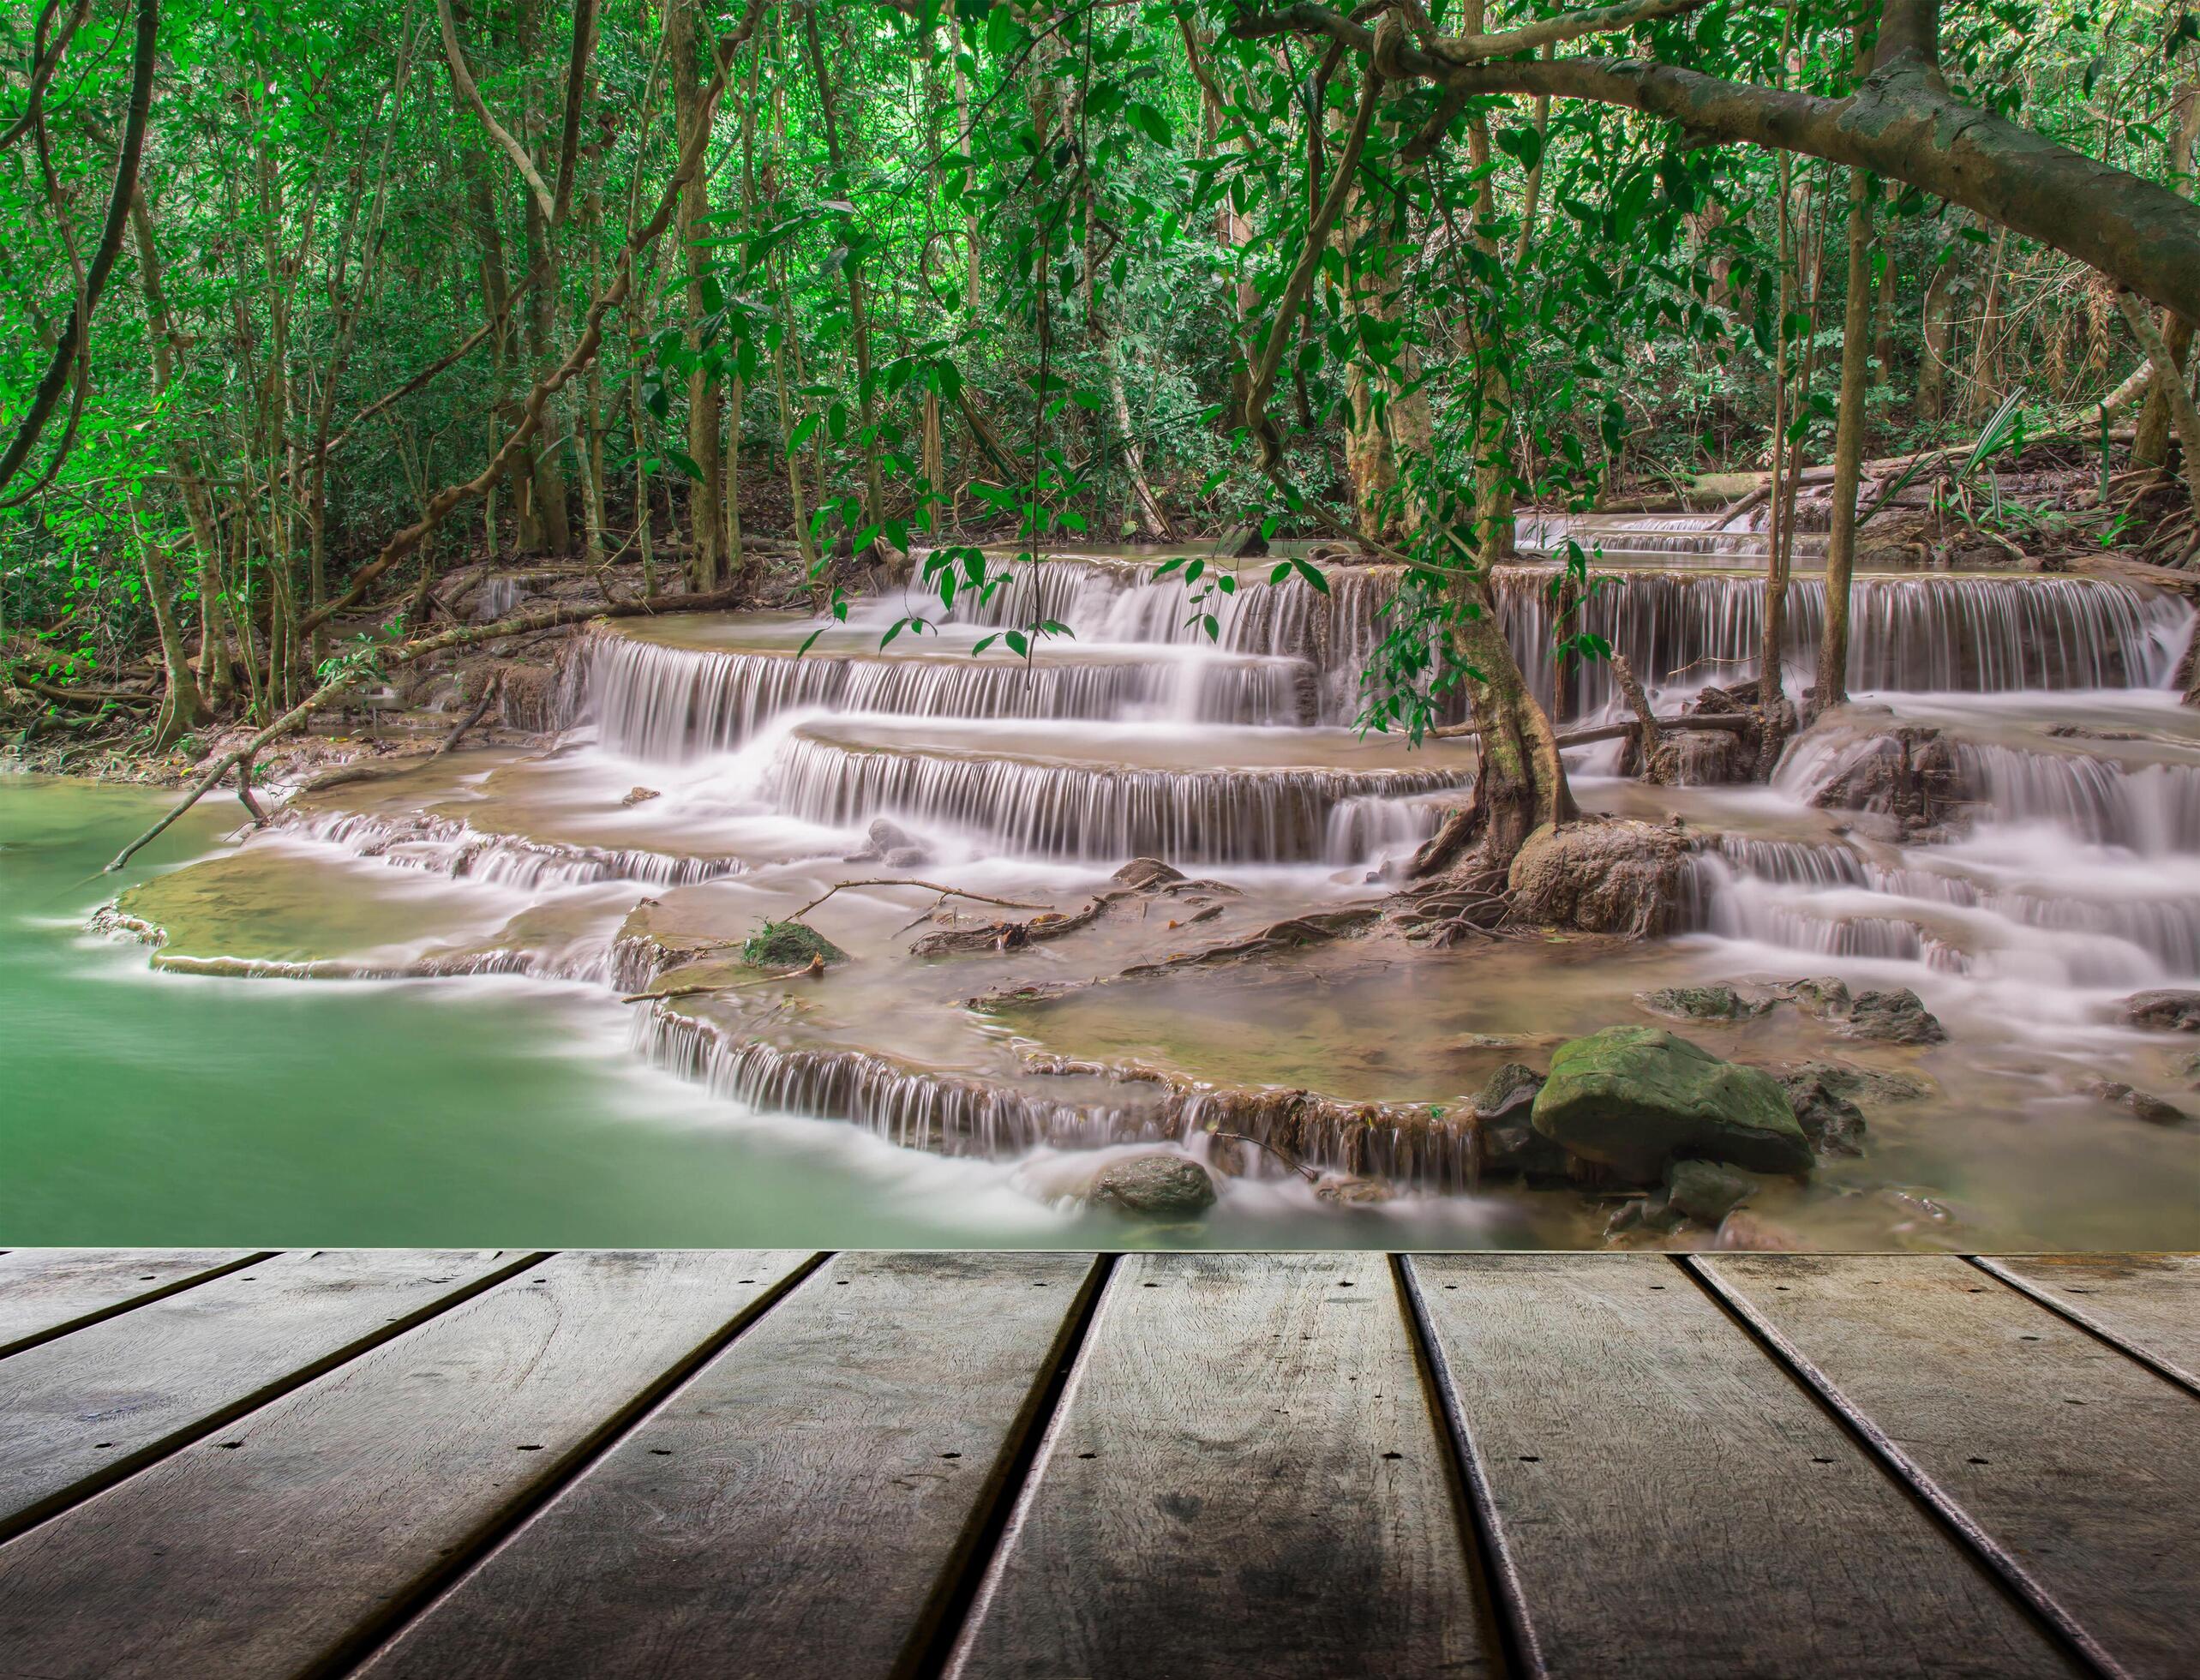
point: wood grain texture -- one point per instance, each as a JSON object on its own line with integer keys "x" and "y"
{"x": 799, "y": 1509}
{"x": 84, "y": 1409}
{"x": 281, "y": 1542}
{"x": 2075, "y": 1462}
{"x": 1245, "y": 1478}
{"x": 44, "y": 1291}
{"x": 1667, "y": 1501}
{"x": 2147, "y": 1303}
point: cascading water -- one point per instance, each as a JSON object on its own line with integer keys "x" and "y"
{"x": 1680, "y": 630}
{"x": 722, "y": 772}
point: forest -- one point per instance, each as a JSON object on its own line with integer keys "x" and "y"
{"x": 1682, "y": 508}
{"x": 309, "y": 306}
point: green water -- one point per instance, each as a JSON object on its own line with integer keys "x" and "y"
{"x": 141, "y": 1108}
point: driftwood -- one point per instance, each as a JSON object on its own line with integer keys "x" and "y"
{"x": 929, "y": 886}
{"x": 1735, "y": 722}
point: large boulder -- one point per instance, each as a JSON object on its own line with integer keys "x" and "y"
{"x": 1634, "y": 1099}
{"x": 1153, "y": 1187}
{"x": 1615, "y": 876}
{"x": 1910, "y": 774}
{"x": 2164, "y": 1011}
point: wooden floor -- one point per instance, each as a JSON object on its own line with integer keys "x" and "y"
{"x": 756, "y": 1463}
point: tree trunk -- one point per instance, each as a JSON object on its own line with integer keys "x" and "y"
{"x": 2151, "y": 446}
{"x": 1847, "y": 450}
{"x": 706, "y": 517}
{"x": 182, "y": 707}
{"x": 1938, "y": 333}
{"x": 874, "y": 494}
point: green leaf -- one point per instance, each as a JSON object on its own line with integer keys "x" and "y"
{"x": 1311, "y": 574}
{"x": 1148, "y": 120}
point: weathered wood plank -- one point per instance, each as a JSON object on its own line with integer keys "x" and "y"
{"x": 84, "y": 1409}
{"x": 44, "y": 1291}
{"x": 2073, "y": 1462}
{"x": 1245, "y": 1477}
{"x": 288, "y": 1539}
{"x": 2149, "y": 1303}
{"x": 1667, "y": 1501}
{"x": 798, "y": 1509}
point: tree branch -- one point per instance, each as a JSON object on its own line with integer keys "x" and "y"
{"x": 1901, "y": 124}
{"x": 74, "y": 337}
{"x": 462, "y": 79}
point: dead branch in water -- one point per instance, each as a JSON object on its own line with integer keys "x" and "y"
{"x": 1734, "y": 723}
{"x": 1282, "y": 1155}
{"x": 929, "y": 886}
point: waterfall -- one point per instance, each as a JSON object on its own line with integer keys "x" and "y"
{"x": 1093, "y": 812}
{"x": 950, "y": 1113}
{"x": 1920, "y": 633}
{"x": 447, "y": 847}
{"x": 671, "y": 704}
{"x": 2151, "y": 809}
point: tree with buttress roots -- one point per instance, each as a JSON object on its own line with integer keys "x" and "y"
{"x": 1425, "y": 89}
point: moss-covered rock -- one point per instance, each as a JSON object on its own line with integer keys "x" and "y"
{"x": 788, "y": 945}
{"x": 1634, "y": 1099}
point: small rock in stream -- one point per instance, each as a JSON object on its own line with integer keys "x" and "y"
{"x": 1704, "y": 1190}
{"x": 2150, "y": 1108}
{"x": 1834, "y": 1125}
{"x": 640, "y": 796}
{"x": 1703, "y": 1003}
{"x": 1346, "y": 1191}
{"x": 1504, "y": 1120}
{"x": 1742, "y": 1231}
{"x": 1154, "y": 1186}
{"x": 891, "y": 845}
{"x": 1898, "y": 1016}
{"x": 2164, "y": 1011}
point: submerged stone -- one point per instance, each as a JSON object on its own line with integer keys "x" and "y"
{"x": 1634, "y": 1098}
{"x": 1352, "y": 1192}
{"x": 1834, "y": 1125}
{"x": 1704, "y": 1190}
{"x": 888, "y": 842}
{"x": 1703, "y": 1003}
{"x": 1154, "y": 1186}
{"x": 2154, "y": 1110}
